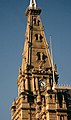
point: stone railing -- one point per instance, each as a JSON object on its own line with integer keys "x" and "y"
{"x": 63, "y": 87}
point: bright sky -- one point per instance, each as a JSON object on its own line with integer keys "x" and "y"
{"x": 56, "y": 19}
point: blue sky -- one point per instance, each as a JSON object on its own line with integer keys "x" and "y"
{"x": 56, "y": 19}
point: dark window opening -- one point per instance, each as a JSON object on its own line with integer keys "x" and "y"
{"x": 38, "y": 22}
{"x": 50, "y": 96}
{"x": 30, "y": 99}
{"x": 61, "y": 117}
{"x": 67, "y": 98}
{"x": 43, "y": 57}
{"x": 59, "y": 95}
{"x": 38, "y": 54}
{"x": 34, "y": 21}
{"x": 41, "y": 37}
{"x": 40, "y": 108}
{"x": 36, "y": 35}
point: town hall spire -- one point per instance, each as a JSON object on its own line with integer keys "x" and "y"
{"x": 37, "y": 100}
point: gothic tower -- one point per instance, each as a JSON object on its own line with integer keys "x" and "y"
{"x": 37, "y": 98}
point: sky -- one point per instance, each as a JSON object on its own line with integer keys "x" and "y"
{"x": 56, "y": 19}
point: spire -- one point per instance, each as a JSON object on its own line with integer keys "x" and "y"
{"x": 32, "y": 4}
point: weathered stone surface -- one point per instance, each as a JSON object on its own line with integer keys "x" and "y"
{"x": 37, "y": 100}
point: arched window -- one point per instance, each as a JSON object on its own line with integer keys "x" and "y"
{"x": 40, "y": 56}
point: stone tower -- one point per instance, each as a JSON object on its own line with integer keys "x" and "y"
{"x": 37, "y": 99}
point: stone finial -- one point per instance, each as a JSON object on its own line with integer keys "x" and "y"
{"x": 32, "y": 4}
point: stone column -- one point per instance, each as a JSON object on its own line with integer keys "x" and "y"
{"x": 48, "y": 84}
{"x": 22, "y": 84}
{"x": 27, "y": 83}
{"x": 33, "y": 85}
{"x": 64, "y": 103}
{"x": 37, "y": 84}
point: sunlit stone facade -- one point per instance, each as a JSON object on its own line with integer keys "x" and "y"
{"x": 39, "y": 95}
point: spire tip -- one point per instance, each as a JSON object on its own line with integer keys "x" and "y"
{"x": 32, "y": 4}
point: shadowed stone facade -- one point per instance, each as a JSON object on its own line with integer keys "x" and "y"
{"x": 37, "y": 100}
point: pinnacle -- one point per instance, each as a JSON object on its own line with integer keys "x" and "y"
{"x": 32, "y": 4}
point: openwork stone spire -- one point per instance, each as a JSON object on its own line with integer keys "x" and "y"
{"x": 32, "y": 4}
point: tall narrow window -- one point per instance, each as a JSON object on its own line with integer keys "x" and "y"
{"x": 59, "y": 95}
{"x": 41, "y": 37}
{"x": 43, "y": 57}
{"x": 61, "y": 117}
{"x": 34, "y": 21}
{"x": 38, "y": 22}
{"x": 38, "y": 55}
{"x": 36, "y": 36}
